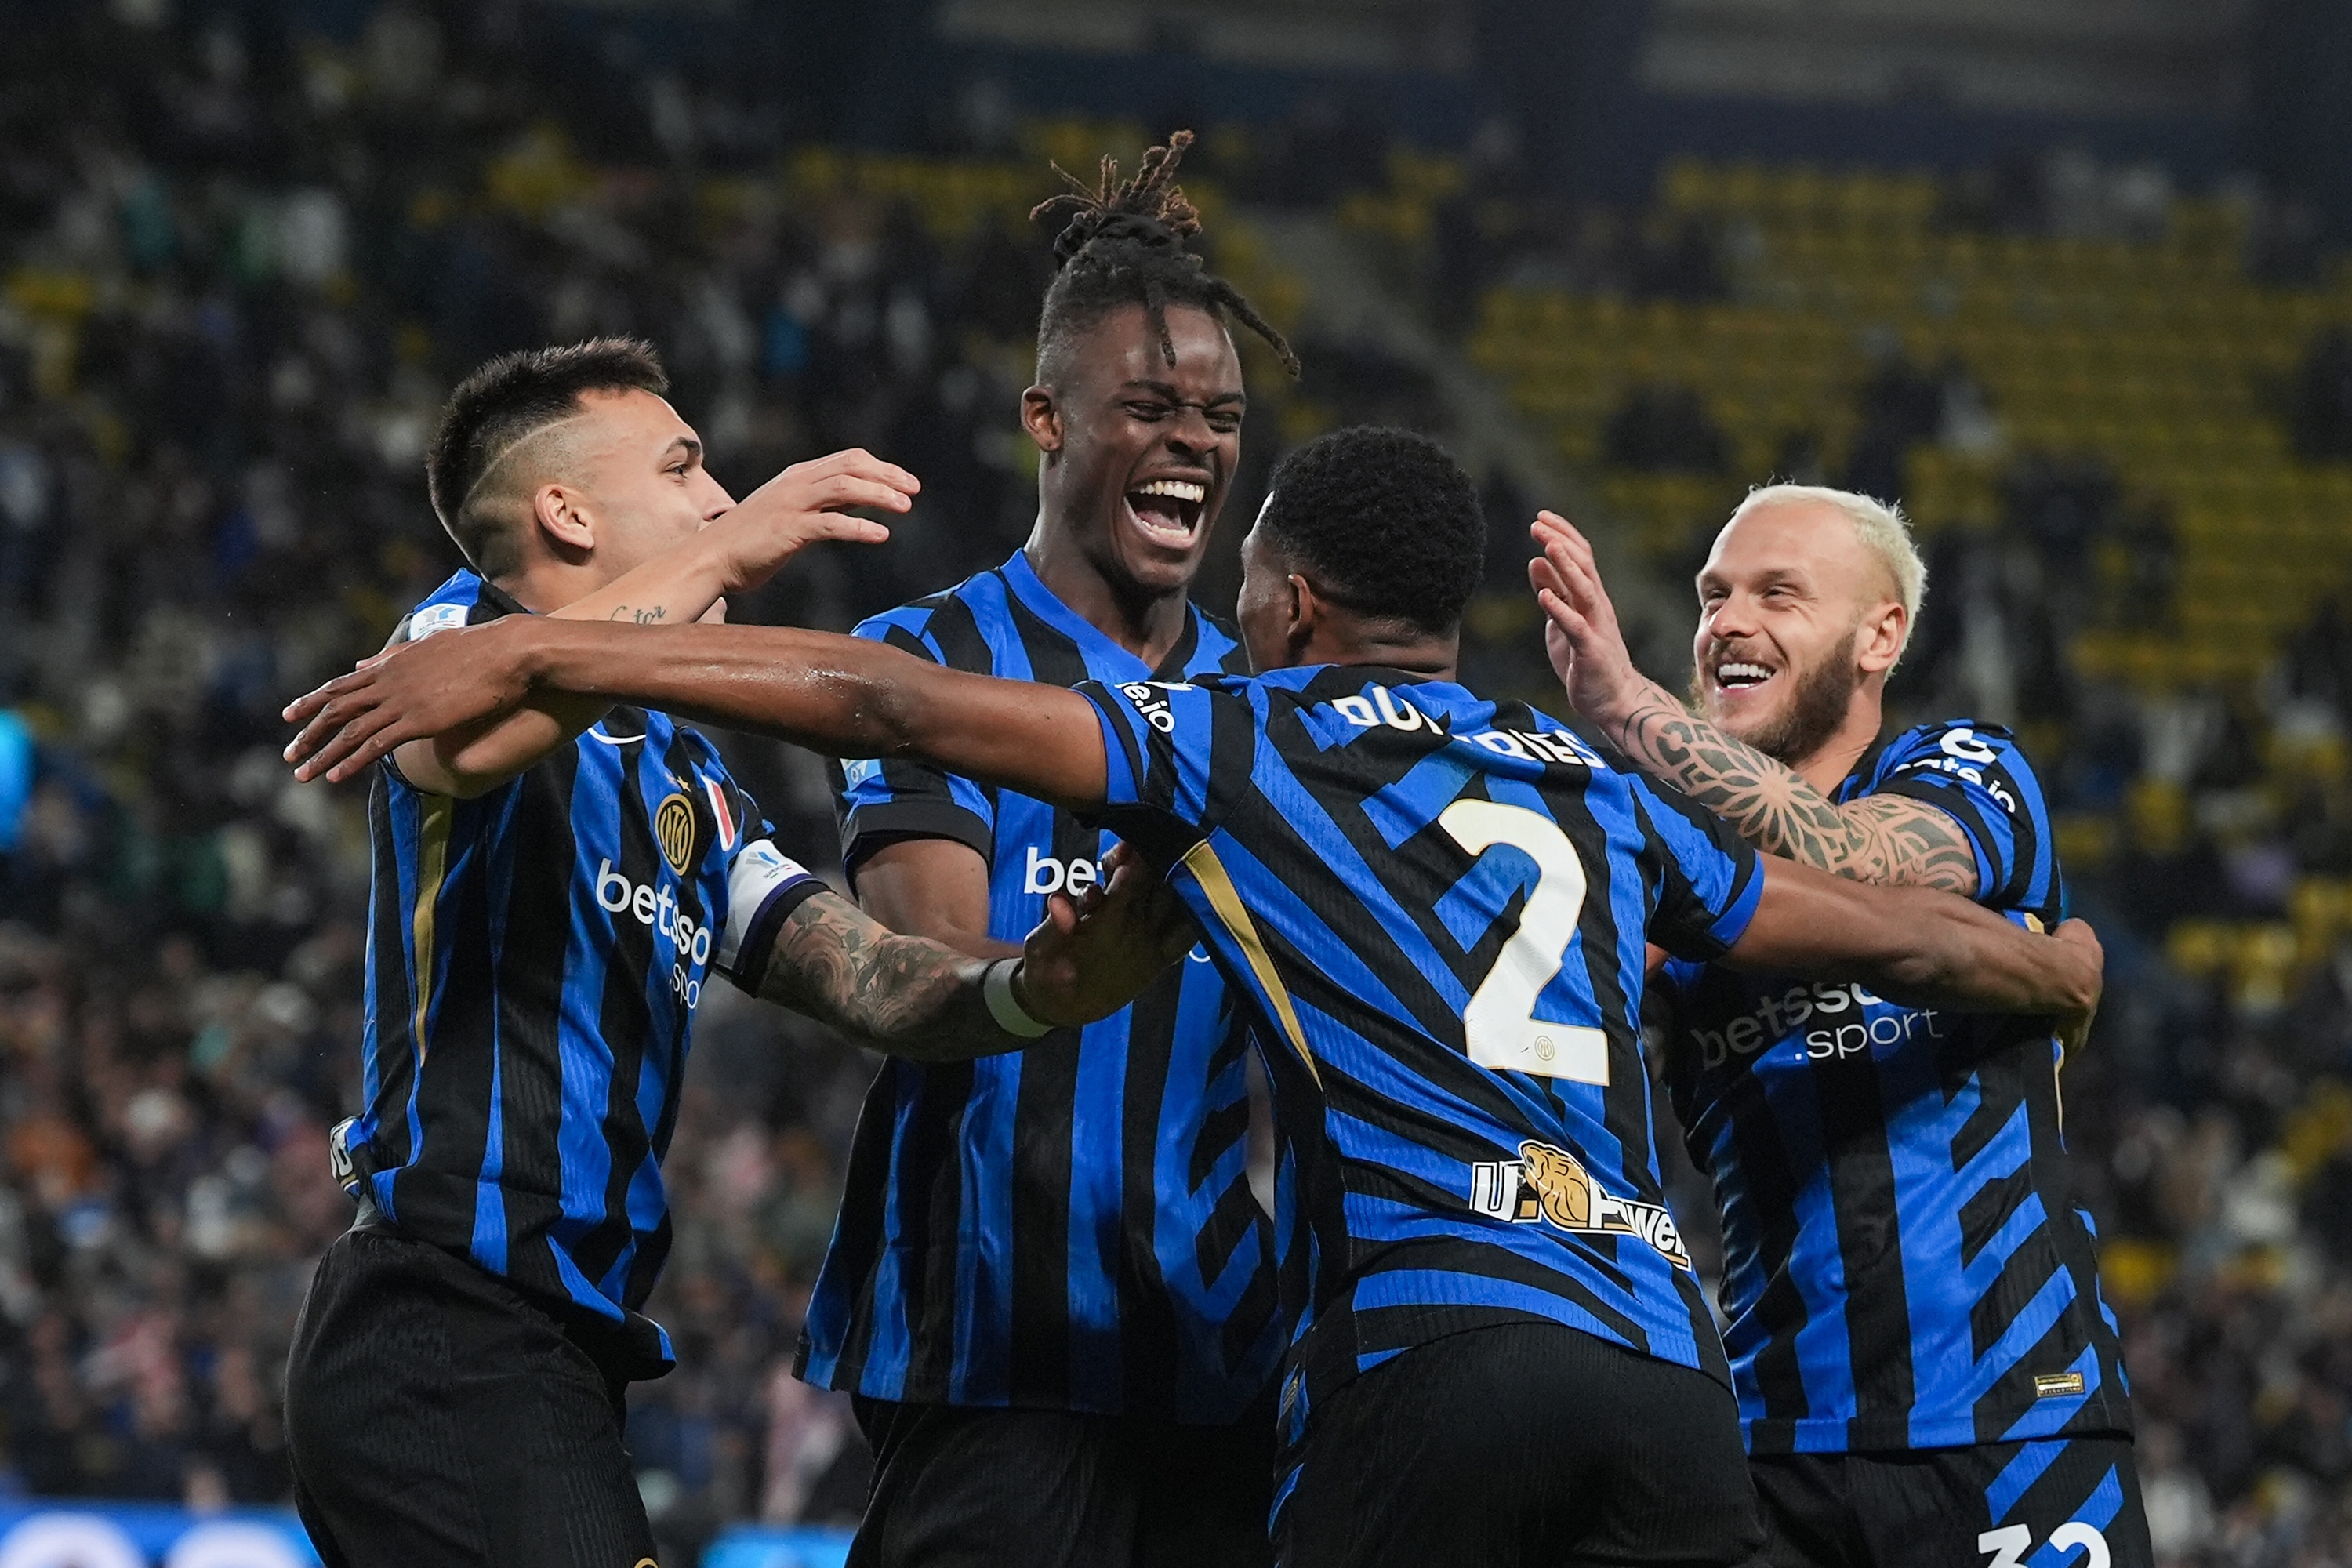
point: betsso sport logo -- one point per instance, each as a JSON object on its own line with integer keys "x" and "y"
{"x": 1846, "y": 1027}
{"x": 1046, "y": 875}
{"x": 689, "y": 940}
{"x": 1550, "y": 1185}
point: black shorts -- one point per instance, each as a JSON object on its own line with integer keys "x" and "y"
{"x": 2054, "y": 1503}
{"x": 1530, "y": 1446}
{"x": 959, "y": 1487}
{"x": 433, "y": 1414}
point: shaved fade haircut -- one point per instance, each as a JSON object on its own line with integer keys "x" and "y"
{"x": 509, "y": 401}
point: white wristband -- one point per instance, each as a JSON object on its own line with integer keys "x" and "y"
{"x": 1004, "y": 1007}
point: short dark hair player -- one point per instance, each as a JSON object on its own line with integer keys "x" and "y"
{"x": 548, "y": 903}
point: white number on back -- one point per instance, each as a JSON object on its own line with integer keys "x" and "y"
{"x": 2010, "y": 1543}
{"x": 1500, "y": 1026}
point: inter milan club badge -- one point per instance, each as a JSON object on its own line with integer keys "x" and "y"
{"x": 674, "y": 830}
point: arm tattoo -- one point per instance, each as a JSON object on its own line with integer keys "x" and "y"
{"x": 902, "y": 994}
{"x": 1880, "y": 838}
{"x": 643, "y": 616}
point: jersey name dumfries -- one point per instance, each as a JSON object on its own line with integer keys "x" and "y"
{"x": 1378, "y": 707}
{"x": 1551, "y": 1184}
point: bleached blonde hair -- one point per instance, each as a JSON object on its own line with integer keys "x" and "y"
{"x": 1881, "y": 526}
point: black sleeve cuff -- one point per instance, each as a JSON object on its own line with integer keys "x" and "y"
{"x": 869, "y": 828}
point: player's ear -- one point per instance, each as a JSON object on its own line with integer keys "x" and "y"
{"x": 1041, "y": 414}
{"x": 1307, "y": 610}
{"x": 560, "y": 515}
{"x": 1880, "y": 643}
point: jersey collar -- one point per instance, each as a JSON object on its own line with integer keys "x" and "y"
{"x": 1105, "y": 658}
{"x": 1865, "y": 768}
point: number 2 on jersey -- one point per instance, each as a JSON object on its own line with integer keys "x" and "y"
{"x": 1499, "y": 1026}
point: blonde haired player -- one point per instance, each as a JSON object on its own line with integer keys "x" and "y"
{"x": 1926, "y": 1376}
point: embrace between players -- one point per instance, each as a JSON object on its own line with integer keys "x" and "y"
{"x": 1349, "y": 1218}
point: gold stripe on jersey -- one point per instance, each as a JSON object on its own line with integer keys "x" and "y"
{"x": 1210, "y": 872}
{"x": 431, "y": 866}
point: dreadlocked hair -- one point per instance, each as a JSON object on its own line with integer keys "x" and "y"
{"x": 1124, "y": 245}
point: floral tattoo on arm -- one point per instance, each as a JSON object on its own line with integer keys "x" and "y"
{"x": 902, "y": 994}
{"x": 1886, "y": 839}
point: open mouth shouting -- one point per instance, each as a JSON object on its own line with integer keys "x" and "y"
{"x": 1167, "y": 511}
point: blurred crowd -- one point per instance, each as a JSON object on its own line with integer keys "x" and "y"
{"x": 244, "y": 252}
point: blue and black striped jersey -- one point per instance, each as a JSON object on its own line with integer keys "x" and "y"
{"x": 534, "y": 959}
{"x": 1070, "y": 1226}
{"x": 1905, "y": 1263}
{"x": 1436, "y": 907}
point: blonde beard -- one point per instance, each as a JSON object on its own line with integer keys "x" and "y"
{"x": 1817, "y": 707}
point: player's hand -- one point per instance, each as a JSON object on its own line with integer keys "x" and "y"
{"x": 408, "y": 693}
{"x": 2074, "y": 1027}
{"x": 1092, "y": 955}
{"x": 806, "y": 503}
{"x": 1581, "y": 633}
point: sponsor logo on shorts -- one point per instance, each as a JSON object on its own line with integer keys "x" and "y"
{"x": 674, "y": 830}
{"x": 1551, "y": 1185}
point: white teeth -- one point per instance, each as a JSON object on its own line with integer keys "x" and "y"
{"x": 1729, "y": 673}
{"x": 1180, "y": 489}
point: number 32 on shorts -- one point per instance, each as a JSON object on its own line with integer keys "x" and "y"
{"x": 2008, "y": 1545}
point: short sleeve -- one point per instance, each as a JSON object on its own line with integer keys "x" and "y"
{"x": 1979, "y": 776}
{"x": 1708, "y": 879}
{"x": 763, "y": 886}
{"x": 464, "y": 600}
{"x": 1159, "y": 739}
{"x": 881, "y": 801}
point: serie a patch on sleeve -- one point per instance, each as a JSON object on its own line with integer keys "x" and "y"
{"x": 435, "y": 618}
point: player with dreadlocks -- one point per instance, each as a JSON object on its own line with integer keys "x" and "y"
{"x": 1051, "y": 1290}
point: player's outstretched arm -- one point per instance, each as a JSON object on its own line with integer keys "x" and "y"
{"x": 739, "y": 551}
{"x": 835, "y": 695}
{"x": 1921, "y": 947}
{"x": 913, "y": 997}
{"x": 1878, "y": 838}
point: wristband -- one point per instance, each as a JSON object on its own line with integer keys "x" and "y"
{"x": 1004, "y": 1007}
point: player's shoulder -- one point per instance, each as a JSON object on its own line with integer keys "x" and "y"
{"x": 963, "y": 626}
{"x": 1216, "y": 647}
{"x": 1948, "y": 746}
{"x": 463, "y": 600}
